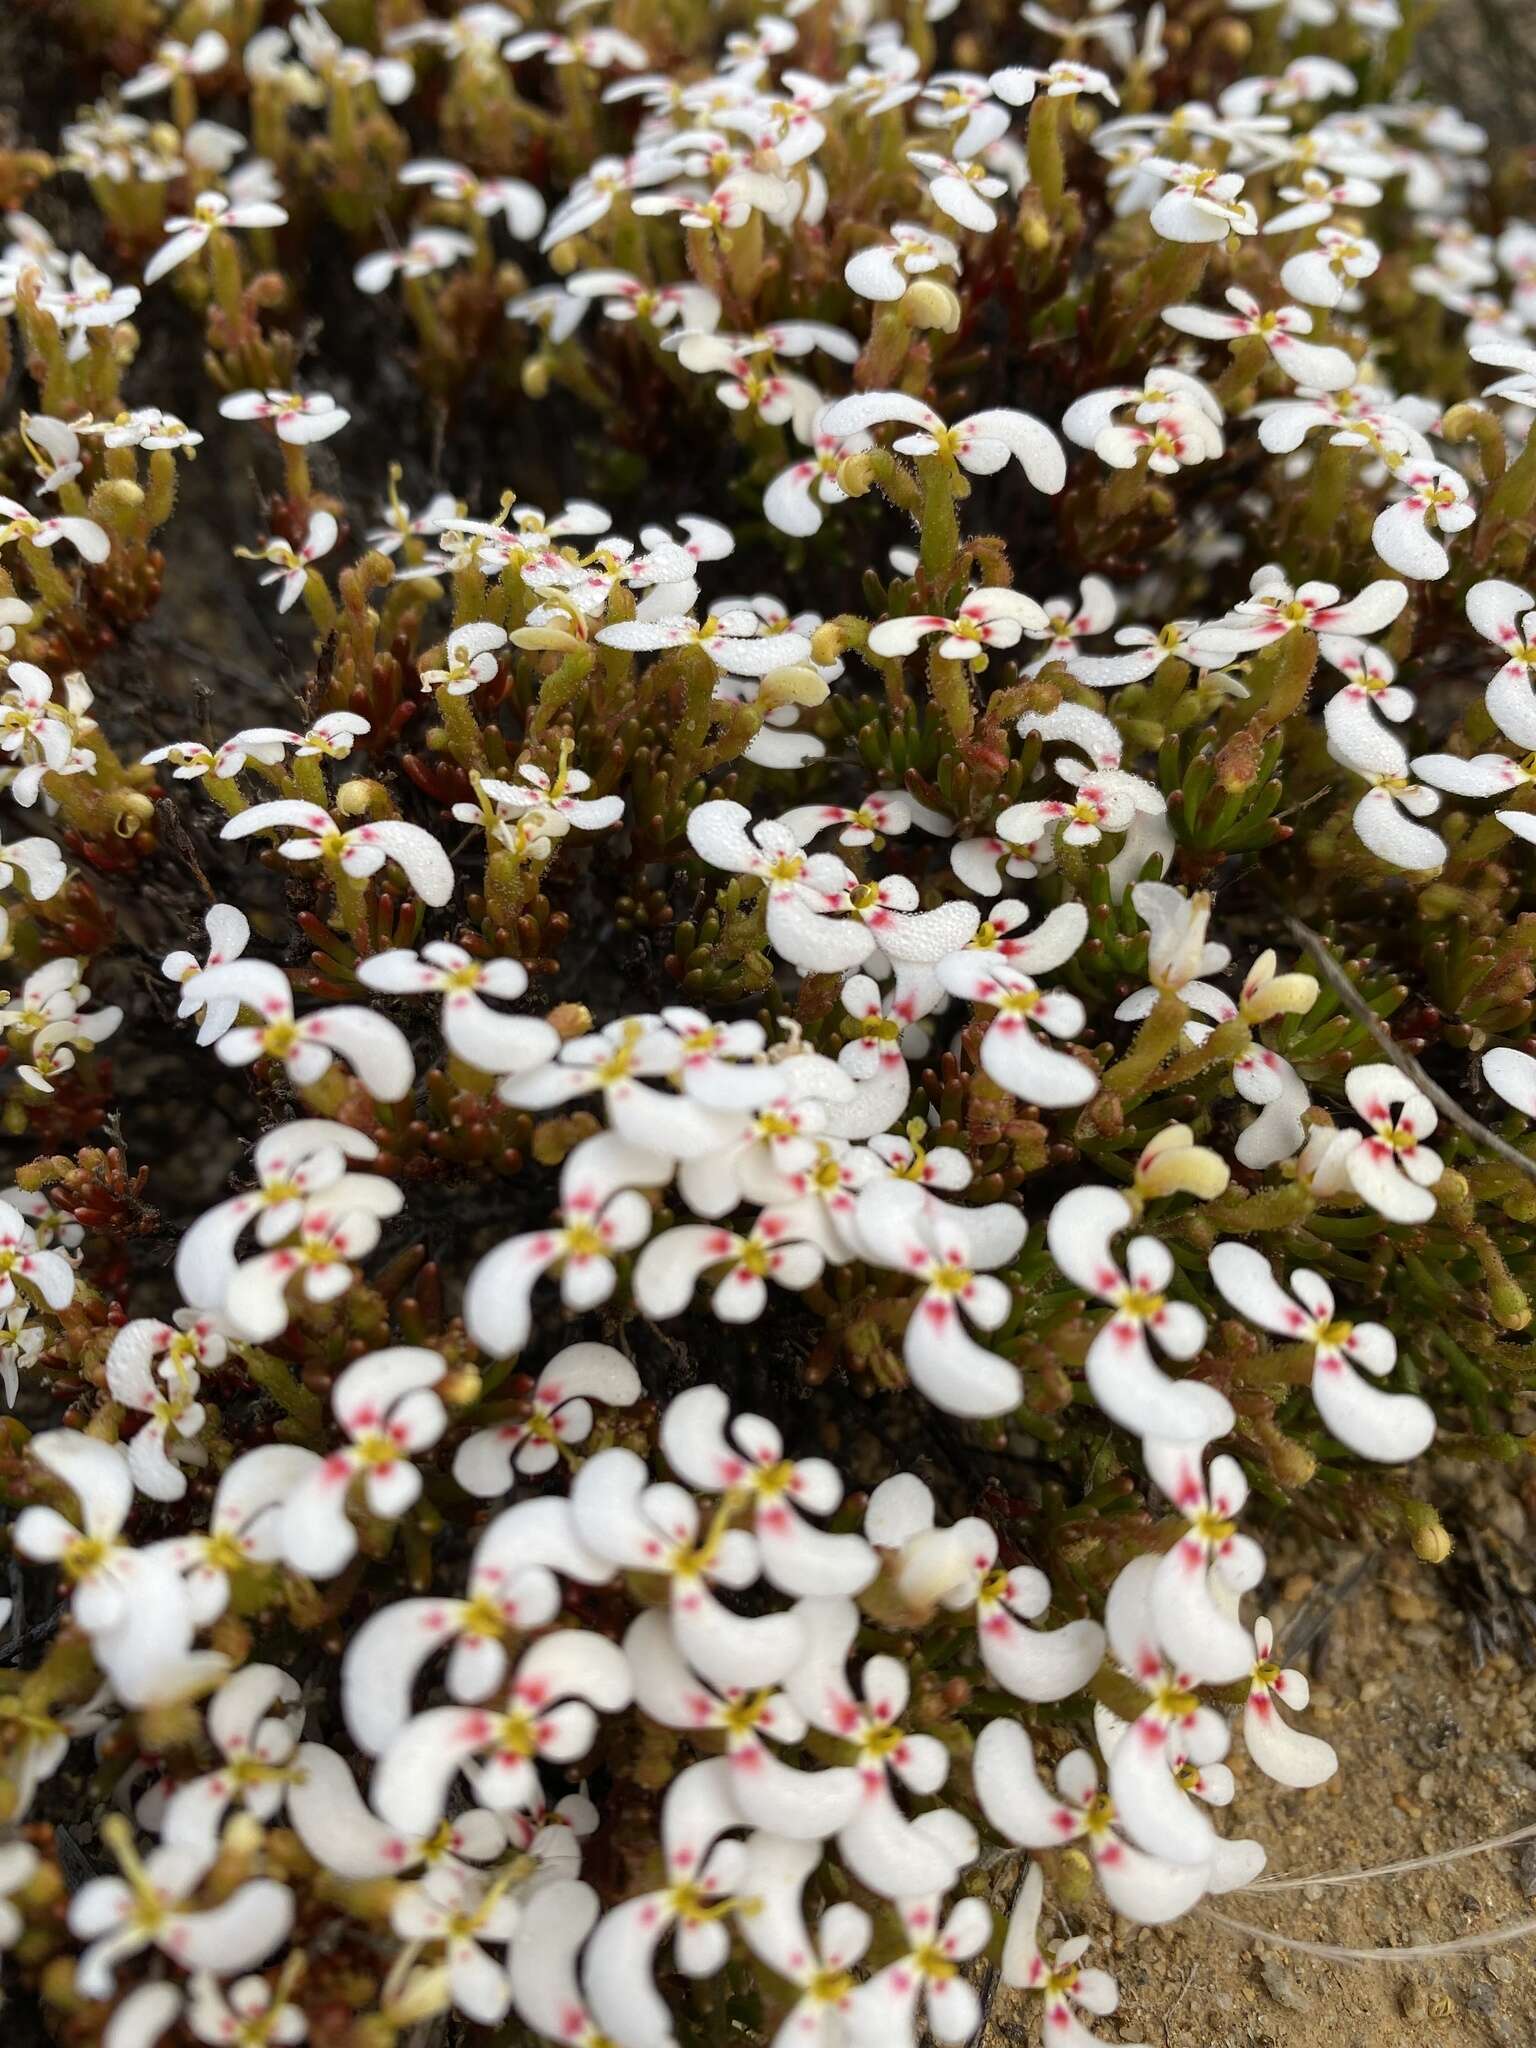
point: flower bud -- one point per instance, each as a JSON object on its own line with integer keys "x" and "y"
{"x": 828, "y": 642}
{"x": 571, "y": 1020}
{"x": 1432, "y": 1542}
{"x": 794, "y": 685}
{"x": 361, "y": 798}
{"x": 856, "y": 474}
{"x": 929, "y": 303}
{"x": 535, "y": 377}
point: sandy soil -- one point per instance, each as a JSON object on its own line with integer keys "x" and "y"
{"x": 1435, "y": 1753}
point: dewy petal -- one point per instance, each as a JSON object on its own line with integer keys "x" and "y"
{"x": 237, "y": 1934}
{"x": 1035, "y": 1072}
{"x": 950, "y": 1368}
{"x": 868, "y": 409}
{"x": 556, "y": 1920}
{"x": 383, "y": 1659}
{"x": 1377, "y": 1178}
{"x": 1390, "y": 1428}
{"x": 1282, "y": 1752}
{"x": 1242, "y": 1273}
{"x": 733, "y": 1650}
{"x": 1197, "y": 1633}
{"x": 1134, "y": 1393}
{"x": 1010, "y": 1792}
{"x": 1512, "y": 1074}
{"x": 328, "y": 1815}
{"x": 1039, "y": 1665}
{"x": 619, "y": 1974}
{"x": 494, "y": 1042}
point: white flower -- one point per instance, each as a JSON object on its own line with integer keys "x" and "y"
{"x": 206, "y": 53}
{"x": 807, "y": 1806}
{"x": 228, "y": 931}
{"x": 1196, "y": 1624}
{"x": 296, "y": 418}
{"x": 1322, "y": 276}
{"x": 742, "y": 1459}
{"x": 563, "y": 794}
{"x": 347, "y": 1838}
{"x": 247, "y": 2014}
{"x": 1200, "y": 205}
{"x": 982, "y": 443}
{"x": 820, "y": 1967}
{"x": 732, "y": 641}
{"x": 885, "y": 2010}
{"x": 384, "y": 1402}
{"x": 1505, "y": 614}
{"x": 244, "y": 1525}
{"x": 1392, "y": 1169}
{"x": 703, "y": 1868}
{"x": 807, "y": 893}
{"x": 514, "y": 1588}
{"x": 958, "y": 1569}
{"x": 1391, "y": 1428}
{"x": 793, "y": 500}
{"x": 149, "y": 1907}
{"x": 559, "y": 1414}
{"x": 883, "y": 271}
{"x": 150, "y": 1368}
{"x": 1281, "y": 1752}
{"x": 1512, "y": 1074}
{"x": 360, "y": 852}
{"x": 428, "y": 251}
{"x": 899, "y": 1225}
{"x": 48, "y": 1273}
{"x": 289, "y": 566}
{"x": 1385, "y": 817}
{"x": 1053, "y": 1973}
{"x": 255, "y": 1746}
{"x": 466, "y": 1919}
{"x": 987, "y": 618}
{"x": 882, "y": 1848}
{"x": 543, "y": 1712}
{"x": 471, "y": 659}
{"x": 1148, "y": 1781}
{"x": 1017, "y": 84}
{"x": 90, "y": 301}
{"x": 962, "y": 189}
{"x": 19, "y": 1863}
{"x": 1122, "y": 1377}
{"x": 602, "y": 1214}
{"x": 883, "y": 814}
{"x": 626, "y": 297}
{"x": 212, "y": 212}
{"x": 1001, "y": 977}
{"x": 622, "y": 1516}
{"x": 90, "y": 541}
{"x": 1273, "y": 609}
{"x": 1304, "y": 362}
{"x": 375, "y": 1050}
{"x": 295, "y": 1163}
{"x": 485, "y": 1038}
{"x": 1359, "y": 416}
{"x": 1168, "y": 395}
{"x": 1435, "y": 499}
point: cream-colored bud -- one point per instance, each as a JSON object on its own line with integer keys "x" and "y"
{"x": 535, "y": 377}
{"x": 794, "y": 685}
{"x": 1432, "y": 1542}
{"x": 363, "y": 798}
{"x": 828, "y": 643}
{"x": 856, "y": 474}
{"x": 929, "y": 303}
